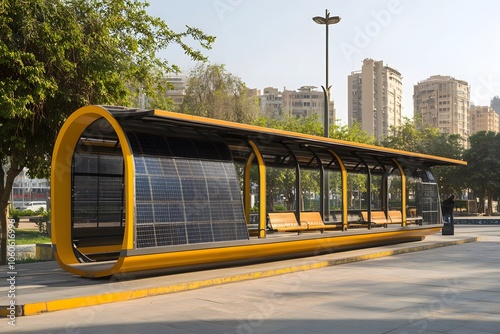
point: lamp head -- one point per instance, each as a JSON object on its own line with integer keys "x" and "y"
{"x": 326, "y": 20}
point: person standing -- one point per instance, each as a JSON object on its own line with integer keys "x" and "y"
{"x": 447, "y": 209}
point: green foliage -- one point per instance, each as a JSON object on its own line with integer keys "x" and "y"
{"x": 427, "y": 140}
{"x": 59, "y": 55}
{"x": 354, "y": 134}
{"x": 30, "y": 236}
{"x": 215, "y": 93}
{"x": 483, "y": 164}
{"x": 279, "y": 207}
{"x": 308, "y": 125}
{"x": 312, "y": 125}
{"x": 282, "y": 180}
{"x": 430, "y": 141}
{"x": 16, "y": 213}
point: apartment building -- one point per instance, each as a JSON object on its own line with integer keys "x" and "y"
{"x": 374, "y": 98}
{"x": 304, "y": 102}
{"x": 443, "y": 102}
{"x": 270, "y": 102}
{"x": 495, "y": 104}
{"x": 483, "y": 118}
{"x": 178, "y": 87}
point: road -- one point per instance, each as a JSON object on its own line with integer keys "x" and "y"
{"x": 454, "y": 289}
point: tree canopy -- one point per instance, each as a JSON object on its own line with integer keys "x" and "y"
{"x": 58, "y": 55}
{"x": 483, "y": 165}
{"x": 429, "y": 140}
{"x": 282, "y": 181}
{"x": 214, "y": 92}
{"x": 354, "y": 133}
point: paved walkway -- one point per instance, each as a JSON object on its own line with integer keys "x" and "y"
{"x": 451, "y": 289}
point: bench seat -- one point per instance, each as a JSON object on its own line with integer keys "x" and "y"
{"x": 395, "y": 217}
{"x": 313, "y": 221}
{"x": 284, "y": 222}
{"x": 414, "y": 220}
{"x": 377, "y": 217}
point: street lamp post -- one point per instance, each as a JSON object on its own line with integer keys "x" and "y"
{"x": 325, "y": 187}
{"x": 327, "y": 20}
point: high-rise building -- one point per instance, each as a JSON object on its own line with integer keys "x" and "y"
{"x": 443, "y": 102}
{"x": 304, "y": 102}
{"x": 483, "y": 118}
{"x": 177, "y": 91}
{"x": 495, "y": 104}
{"x": 374, "y": 98}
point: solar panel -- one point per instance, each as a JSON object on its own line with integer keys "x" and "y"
{"x": 187, "y": 192}
{"x": 142, "y": 189}
{"x": 168, "y": 167}
{"x": 166, "y": 234}
{"x": 140, "y": 166}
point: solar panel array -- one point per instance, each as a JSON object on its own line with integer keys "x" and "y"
{"x": 187, "y": 191}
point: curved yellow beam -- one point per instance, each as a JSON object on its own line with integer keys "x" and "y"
{"x": 262, "y": 190}
{"x": 343, "y": 173}
{"x": 403, "y": 191}
{"x": 247, "y": 187}
{"x": 61, "y": 195}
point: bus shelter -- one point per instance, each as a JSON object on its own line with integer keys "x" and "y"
{"x": 145, "y": 189}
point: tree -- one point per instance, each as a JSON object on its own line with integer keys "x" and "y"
{"x": 283, "y": 180}
{"x": 429, "y": 140}
{"x": 308, "y": 125}
{"x": 449, "y": 178}
{"x": 354, "y": 133}
{"x": 215, "y": 93}
{"x": 58, "y": 55}
{"x": 483, "y": 165}
{"x": 408, "y": 138}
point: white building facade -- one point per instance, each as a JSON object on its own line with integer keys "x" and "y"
{"x": 443, "y": 102}
{"x": 375, "y": 98}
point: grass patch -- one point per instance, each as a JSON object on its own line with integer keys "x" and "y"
{"x": 28, "y": 259}
{"x": 30, "y": 236}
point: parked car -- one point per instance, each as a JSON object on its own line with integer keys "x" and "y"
{"x": 35, "y": 206}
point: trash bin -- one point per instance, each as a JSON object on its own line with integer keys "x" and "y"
{"x": 448, "y": 229}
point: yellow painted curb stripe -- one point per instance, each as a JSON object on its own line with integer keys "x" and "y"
{"x": 70, "y": 303}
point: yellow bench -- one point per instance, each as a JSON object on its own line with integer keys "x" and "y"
{"x": 395, "y": 217}
{"x": 313, "y": 221}
{"x": 284, "y": 222}
{"x": 377, "y": 217}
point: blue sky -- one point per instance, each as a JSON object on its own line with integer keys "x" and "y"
{"x": 276, "y": 43}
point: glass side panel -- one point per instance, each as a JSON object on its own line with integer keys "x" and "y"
{"x": 310, "y": 183}
{"x": 422, "y": 195}
{"x": 97, "y": 190}
{"x": 376, "y": 192}
{"x": 357, "y": 191}
{"x": 281, "y": 189}
{"x": 394, "y": 190}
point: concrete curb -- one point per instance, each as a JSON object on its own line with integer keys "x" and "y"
{"x": 91, "y": 300}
